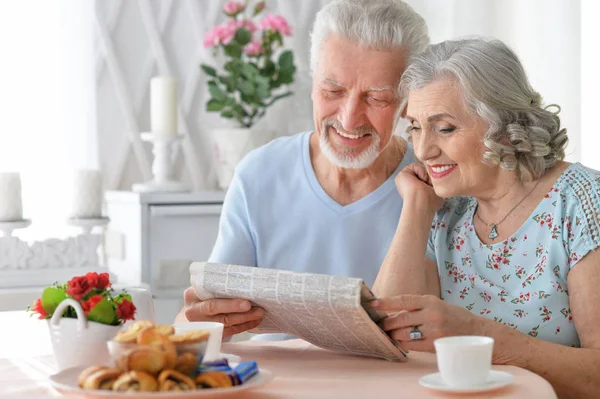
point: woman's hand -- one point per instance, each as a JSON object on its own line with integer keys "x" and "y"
{"x": 432, "y": 317}
{"x": 413, "y": 182}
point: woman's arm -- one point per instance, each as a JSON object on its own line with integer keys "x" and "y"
{"x": 406, "y": 269}
{"x": 573, "y": 372}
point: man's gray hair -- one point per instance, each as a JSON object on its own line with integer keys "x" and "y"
{"x": 521, "y": 134}
{"x": 377, "y": 24}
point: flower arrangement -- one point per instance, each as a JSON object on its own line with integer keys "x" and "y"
{"x": 251, "y": 80}
{"x": 96, "y": 296}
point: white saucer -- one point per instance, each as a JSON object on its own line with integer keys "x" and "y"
{"x": 498, "y": 379}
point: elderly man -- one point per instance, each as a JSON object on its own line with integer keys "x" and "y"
{"x": 325, "y": 201}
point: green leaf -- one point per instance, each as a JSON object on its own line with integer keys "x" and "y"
{"x": 51, "y": 297}
{"x": 243, "y": 36}
{"x": 268, "y": 69}
{"x": 214, "y": 105}
{"x": 228, "y": 82}
{"x": 216, "y": 91}
{"x": 227, "y": 114}
{"x": 240, "y": 110}
{"x": 233, "y": 50}
{"x": 286, "y": 60}
{"x": 234, "y": 66}
{"x": 249, "y": 71}
{"x": 209, "y": 70}
{"x": 246, "y": 87}
{"x": 286, "y": 76}
{"x": 263, "y": 92}
{"x": 104, "y": 312}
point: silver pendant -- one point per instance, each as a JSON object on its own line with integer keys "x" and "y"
{"x": 493, "y": 233}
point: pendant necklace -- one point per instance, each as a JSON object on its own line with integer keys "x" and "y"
{"x": 494, "y": 226}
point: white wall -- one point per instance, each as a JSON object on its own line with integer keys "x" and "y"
{"x": 590, "y": 83}
{"x": 545, "y": 33}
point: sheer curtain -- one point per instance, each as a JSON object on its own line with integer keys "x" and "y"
{"x": 47, "y": 100}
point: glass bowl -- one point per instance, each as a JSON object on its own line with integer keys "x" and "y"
{"x": 119, "y": 349}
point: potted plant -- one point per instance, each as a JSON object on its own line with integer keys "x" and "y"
{"x": 82, "y": 315}
{"x": 255, "y": 74}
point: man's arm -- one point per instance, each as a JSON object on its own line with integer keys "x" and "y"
{"x": 235, "y": 242}
{"x": 234, "y": 245}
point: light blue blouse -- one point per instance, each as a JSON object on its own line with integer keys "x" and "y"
{"x": 522, "y": 281}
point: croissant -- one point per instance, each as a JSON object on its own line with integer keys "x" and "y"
{"x": 135, "y": 381}
{"x": 172, "y": 380}
{"x": 102, "y": 379}
{"x": 145, "y": 359}
{"x": 152, "y": 337}
{"x": 213, "y": 379}
{"x": 186, "y": 363}
{"x": 87, "y": 372}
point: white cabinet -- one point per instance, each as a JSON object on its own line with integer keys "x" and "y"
{"x": 152, "y": 238}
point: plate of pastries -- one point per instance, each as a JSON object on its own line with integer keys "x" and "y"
{"x": 152, "y": 361}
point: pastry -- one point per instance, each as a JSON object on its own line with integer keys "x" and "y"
{"x": 147, "y": 359}
{"x": 152, "y": 337}
{"x": 186, "y": 363}
{"x": 165, "y": 329}
{"x": 87, "y": 372}
{"x": 102, "y": 379}
{"x": 172, "y": 380}
{"x": 190, "y": 337}
{"x": 213, "y": 379}
{"x": 135, "y": 381}
{"x": 129, "y": 336}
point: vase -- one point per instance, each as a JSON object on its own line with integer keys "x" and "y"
{"x": 79, "y": 342}
{"x": 230, "y": 145}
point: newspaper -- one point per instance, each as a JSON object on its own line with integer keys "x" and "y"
{"x": 331, "y": 312}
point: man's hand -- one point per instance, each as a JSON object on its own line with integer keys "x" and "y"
{"x": 236, "y": 314}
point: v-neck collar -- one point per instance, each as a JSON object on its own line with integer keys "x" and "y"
{"x": 365, "y": 202}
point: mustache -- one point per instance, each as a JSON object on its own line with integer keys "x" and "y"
{"x": 361, "y": 130}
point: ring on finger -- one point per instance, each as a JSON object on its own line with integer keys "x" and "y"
{"x": 415, "y": 334}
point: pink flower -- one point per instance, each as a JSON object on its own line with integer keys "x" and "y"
{"x": 244, "y": 23}
{"x": 276, "y": 23}
{"x": 253, "y": 49}
{"x": 233, "y": 8}
{"x": 220, "y": 34}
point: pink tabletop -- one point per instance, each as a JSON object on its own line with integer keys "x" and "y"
{"x": 301, "y": 371}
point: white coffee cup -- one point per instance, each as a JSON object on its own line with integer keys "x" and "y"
{"x": 213, "y": 349}
{"x": 464, "y": 361}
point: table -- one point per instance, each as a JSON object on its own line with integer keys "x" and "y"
{"x": 301, "y": 371}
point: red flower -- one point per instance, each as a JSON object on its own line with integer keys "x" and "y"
{"x": 91, "y": 303}
{"x": 126, "y": 310}
{"x": 99, "y": 281}
{"x": 38, "y": 308}
{"x": 78, "y": 287}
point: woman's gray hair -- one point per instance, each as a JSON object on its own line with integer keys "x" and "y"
{"x": 521, "y": 134}
{"x": 378, "y": 24}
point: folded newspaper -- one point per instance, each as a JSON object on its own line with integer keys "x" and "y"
{"x": 331, "y": 312}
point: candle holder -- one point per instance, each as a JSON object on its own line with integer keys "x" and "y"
{"x": 7, "y": 227}
{"x": 162, "y": 167}
{"x": 87, "y": 224}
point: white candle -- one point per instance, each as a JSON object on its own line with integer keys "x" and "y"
{"x": 11, "y": 205}
{"x": 163, "y": 105}
{"x": 88, "y": 195}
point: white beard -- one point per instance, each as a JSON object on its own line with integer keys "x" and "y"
{"x": 347, "y": 159}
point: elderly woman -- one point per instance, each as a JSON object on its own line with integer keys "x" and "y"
{"x": 511, "y": 253}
